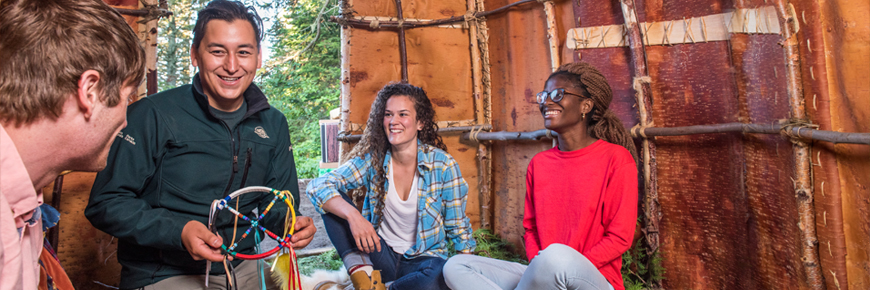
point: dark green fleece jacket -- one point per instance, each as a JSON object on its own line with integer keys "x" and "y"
{"x": 167, "y": 166}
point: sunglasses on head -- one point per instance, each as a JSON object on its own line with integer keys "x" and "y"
{"x": 555, "y": 95}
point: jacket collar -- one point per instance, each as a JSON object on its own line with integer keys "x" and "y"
{"x": 425, "y": 158}
{"x": 255, "y": 98}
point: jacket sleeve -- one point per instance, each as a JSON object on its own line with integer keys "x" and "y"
{"x": 620, "y": 216}
{"x": 282, "y": 177}
{"x": 454, "y": 194}
{"x": 116, "y": 205}
{"x": 530, "y": 237}
{"x": 350, "y": 175}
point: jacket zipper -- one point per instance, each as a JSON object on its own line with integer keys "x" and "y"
{"x": 247, "y": 166}
{"x": 235, "y": 160}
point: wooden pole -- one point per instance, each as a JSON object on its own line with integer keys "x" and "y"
{"x": 483, "y": 178}
{"x": 484, "y": 153}
{"x": 552, "y": 36}
{"x": 643, "y": 93}
{"x": 802, "y": 183}
{"x": 344, "y": 119}
{"x": 403, "y": 52}
{"x": 366, "y": 24}
{"x": 509, "y": 136}
{"x": 142, "y": 12}
{"x": 794, "y": 132}
{"x": 54, "y": 233}
{"x": 149, "y": 32}
{"x": 480, "y": 128}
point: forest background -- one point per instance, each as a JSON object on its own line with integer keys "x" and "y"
{"x": 301, "y": 64}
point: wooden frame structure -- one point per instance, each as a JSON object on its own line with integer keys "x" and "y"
{"x": 764, "y": 89}
{"x": 752, "y": 117}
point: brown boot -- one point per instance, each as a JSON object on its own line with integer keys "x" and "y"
{"x": 376, "y": 281}
{"x": 362, "y": 281}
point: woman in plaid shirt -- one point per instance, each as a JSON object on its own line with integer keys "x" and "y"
{"x": 415, "y": 198}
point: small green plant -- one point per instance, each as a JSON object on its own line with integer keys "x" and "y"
{"x": 489, "y": 244}
{"x": 325, "y": 261}
{"x": 640, "y": 270}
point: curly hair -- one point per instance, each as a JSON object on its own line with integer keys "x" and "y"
{"x": 601, "y": 122}
{"x": 375, "y": 142}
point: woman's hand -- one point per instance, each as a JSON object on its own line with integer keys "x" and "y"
{"x": 364, "y": 233}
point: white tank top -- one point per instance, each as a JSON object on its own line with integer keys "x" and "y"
{"x": 399, "y": 228}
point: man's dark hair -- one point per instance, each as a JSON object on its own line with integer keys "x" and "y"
{"x": 226, "y": 11}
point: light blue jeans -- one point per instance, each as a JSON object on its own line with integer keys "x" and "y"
{"x": 556, "y": 267}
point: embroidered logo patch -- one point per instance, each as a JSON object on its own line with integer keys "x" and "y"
{"x": 261, "y": 132}
{"x": 127, "y": 138}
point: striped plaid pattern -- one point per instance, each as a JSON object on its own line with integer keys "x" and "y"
{"x": 442, "y": 194}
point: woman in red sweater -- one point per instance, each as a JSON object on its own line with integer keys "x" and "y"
{"x": 581, "y": 196}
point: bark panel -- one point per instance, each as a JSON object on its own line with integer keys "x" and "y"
{"x": 773, "y": 234}
{"x": 520, "y": 61}
{"x": 86, "y": 253}
{"x": 704, "y": 206}
{"x": 845, "y": 47}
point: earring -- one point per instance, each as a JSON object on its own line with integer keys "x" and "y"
{"x": 583, "y": 116}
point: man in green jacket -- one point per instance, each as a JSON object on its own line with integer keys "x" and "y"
{"x": 186, "y": 147}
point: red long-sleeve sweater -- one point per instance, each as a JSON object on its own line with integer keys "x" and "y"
{"x": 585, "y": 199}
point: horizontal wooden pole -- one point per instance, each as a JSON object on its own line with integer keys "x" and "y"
{"x": 406, "y": 24}
{"x": 801, "y": 132}
{"x": 509, "y": 136}
{"x": 487, "y": 127}
{"x": 637, "y": 132}
{"x": 141, "y": 12}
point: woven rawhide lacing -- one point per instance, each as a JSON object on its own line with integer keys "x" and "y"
{"x": 284, "y": 244}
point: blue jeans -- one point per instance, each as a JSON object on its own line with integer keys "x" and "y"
{"x": 556, "y": 267}
{"x": 422, "y": 272}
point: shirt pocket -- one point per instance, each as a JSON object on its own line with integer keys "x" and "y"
{"x": 433, "y": 208}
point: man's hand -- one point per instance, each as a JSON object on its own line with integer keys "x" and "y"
{"x": 201, "y": 243}
{"x": 303, "y": 233}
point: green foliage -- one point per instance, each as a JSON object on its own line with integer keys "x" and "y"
{"x": 325, "y": 261}
{"x": 639, "y": 270}
{"x": 173, "y": 44}
{"x": 302, "y": 77}
{"x": 489, "y": 244}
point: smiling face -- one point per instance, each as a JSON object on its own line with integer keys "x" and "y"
{"x": 400, "y": 121}
{"x": 566, "y": 113}
{"x": 228, "y": 59}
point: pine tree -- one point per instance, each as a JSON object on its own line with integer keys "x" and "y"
{"x": 302, "y": 76}
{"x": 173, "y": 45}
